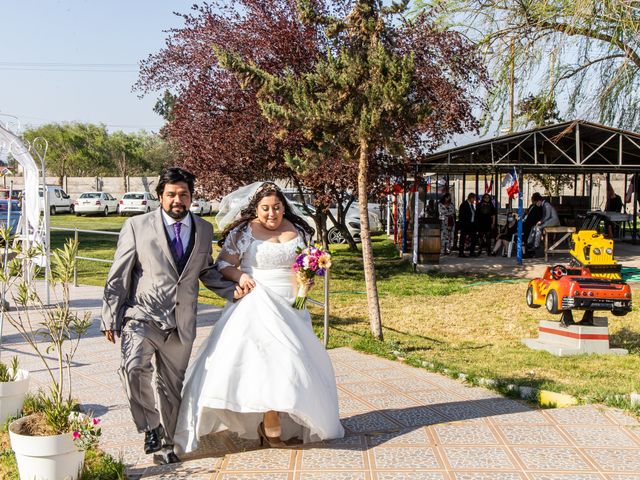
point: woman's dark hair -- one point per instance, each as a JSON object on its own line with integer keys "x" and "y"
{"x": 175, "y": 175}
{"x": 444, "y": 197}
{"x": 249, "y": 213}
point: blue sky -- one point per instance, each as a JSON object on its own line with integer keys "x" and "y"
{"x": 48, "y": 46}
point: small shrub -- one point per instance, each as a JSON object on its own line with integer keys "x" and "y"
{"x": 8, "y": 374}
{"x": 102, "y": 466}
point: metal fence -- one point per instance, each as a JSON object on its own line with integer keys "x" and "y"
{"x": 76, "y": 235}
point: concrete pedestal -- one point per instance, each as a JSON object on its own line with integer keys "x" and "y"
{"x": 573, "y": 340}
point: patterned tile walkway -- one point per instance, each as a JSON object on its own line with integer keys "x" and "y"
{"x": 402, "y": 423}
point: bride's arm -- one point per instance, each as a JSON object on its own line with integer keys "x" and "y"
{"x": 231, "y": 272}
{"x": 228, "y": 261}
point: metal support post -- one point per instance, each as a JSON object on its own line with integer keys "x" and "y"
{"x": 520, "y": 214}
{"x": 75, "y": 260}
{"x": 416, "y": 203}
{"x": 5, "y": 305}
{"x": 325, "y": 336}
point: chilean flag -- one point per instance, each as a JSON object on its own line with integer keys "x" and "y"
{"x": 510, "y": 182}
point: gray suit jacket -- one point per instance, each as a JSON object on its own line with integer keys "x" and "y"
{"x": 144, "y": 282}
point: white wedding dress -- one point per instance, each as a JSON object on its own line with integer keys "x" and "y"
{"x": 261, "y": 355}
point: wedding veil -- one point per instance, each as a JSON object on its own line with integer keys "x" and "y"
{"x": 236, "y": 201}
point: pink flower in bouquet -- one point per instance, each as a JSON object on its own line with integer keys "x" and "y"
{"x": 310, "y": 262}
{"x": 313, "y": 263}
{"x": 76, "y": 435}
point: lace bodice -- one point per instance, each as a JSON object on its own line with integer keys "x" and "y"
{"x": 241, "y": 248}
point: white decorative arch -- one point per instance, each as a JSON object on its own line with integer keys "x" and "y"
{"x": 30, "y": 203}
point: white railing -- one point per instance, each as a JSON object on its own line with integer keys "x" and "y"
{"x": 76, "y": 235}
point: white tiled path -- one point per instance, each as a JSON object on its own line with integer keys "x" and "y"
{"x": 402, "y": 423}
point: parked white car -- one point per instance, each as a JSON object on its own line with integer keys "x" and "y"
{"x": 201, "y": 206}
{"x": 95, "y": 202}
{"x": 59, "y": 201}
{"x": 138, "y": 202}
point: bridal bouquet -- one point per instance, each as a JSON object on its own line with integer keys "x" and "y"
{"x": 311, "y": 261}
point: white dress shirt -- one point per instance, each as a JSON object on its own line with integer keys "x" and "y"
{"x": 185, "y": 229}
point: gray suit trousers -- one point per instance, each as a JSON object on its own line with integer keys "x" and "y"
{"x": 142, "y": 342}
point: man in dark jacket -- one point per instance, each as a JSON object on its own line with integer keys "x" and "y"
{"x": 467, "y": 225}
{"x": 531, "y": 218}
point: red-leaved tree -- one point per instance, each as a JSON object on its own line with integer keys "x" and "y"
{"x": 214, "y": 124}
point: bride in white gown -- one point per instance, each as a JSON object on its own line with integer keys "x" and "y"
{"x": 262, "y": 373}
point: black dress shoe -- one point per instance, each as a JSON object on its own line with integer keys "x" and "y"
{"x": 153, "y": 439}
{"x": 165, "y": 458}
{"x": 462, "y": 255}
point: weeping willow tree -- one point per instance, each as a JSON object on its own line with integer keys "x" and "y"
{"x": 586, "y": 52}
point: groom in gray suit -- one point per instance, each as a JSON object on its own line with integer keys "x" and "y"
{"x": 150, "y": 300}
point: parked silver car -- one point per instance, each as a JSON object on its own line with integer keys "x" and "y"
{"x": 353, "y": 214}
{"x": 334, "y": 234}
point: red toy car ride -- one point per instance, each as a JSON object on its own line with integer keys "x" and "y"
{"x": 563, "y": 289}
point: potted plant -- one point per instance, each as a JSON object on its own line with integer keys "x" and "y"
{"x": 14, "y": 385}
{"x": 43, "y": 441}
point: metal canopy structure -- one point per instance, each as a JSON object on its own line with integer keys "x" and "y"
{"x": 571, "y": 147}
{"x": 577, "y": 147}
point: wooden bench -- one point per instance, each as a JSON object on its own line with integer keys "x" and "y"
{"x": 565, "y": 233}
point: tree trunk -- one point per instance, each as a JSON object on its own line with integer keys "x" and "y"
{"x": 320, "y": 220}
{"x": 340, "y": 224}
{"x": 63, "y": 172}
{"x": 367, "y": 250}
{"x": 123, "y": 170}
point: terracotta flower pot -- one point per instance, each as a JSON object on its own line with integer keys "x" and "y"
{"x": 49, "y": 457}
{"x": 12, "y": 395}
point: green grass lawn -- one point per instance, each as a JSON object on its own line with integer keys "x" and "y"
{"x": 464, "y": 323}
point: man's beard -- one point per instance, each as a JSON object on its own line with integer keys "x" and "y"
{"x": 177, "y": 215}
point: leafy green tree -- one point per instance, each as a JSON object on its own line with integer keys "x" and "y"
{"x": 125, "y": 151}
{"x": 372, "y": 91}
{"x": 542, "y": 110}
{"x": 157, "y": 153}
{"x": 539, "y": 110}
{"x": 590, "y": 49}
{"x": 78, "y": 149}
{"x": 75, "y": 149}
{"x": 164, "y": 106}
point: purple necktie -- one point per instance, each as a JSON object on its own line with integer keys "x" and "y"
{"x": 178, "y": 248}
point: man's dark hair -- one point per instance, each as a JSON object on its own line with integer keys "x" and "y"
{"x": 536, "y": 197}
{"x": 175, "y": 175}
{"x": 471, "y": 194}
